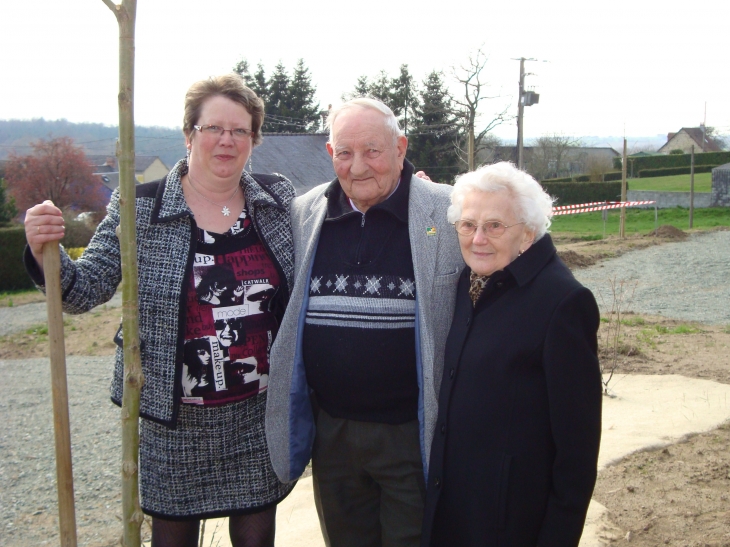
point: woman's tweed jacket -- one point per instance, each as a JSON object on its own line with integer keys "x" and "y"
{"x": 165, "y": 252}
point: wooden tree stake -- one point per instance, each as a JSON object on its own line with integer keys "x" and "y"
{"x": 59, "y": 388}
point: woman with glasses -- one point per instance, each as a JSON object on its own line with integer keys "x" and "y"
{"x": 207, "y": 235}
{"x": 513, "y": 460}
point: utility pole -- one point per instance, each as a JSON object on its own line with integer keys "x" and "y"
{"x": 523, "y": 99}
{"x": 622, "y": 225}
{"x": 704, "y": 128}
{"x": 520, "y": 115}
{"x": 692, "y": 187}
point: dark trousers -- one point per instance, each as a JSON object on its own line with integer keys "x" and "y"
{"x": 368, "y": 482}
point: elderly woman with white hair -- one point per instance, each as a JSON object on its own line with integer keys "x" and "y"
{"x": 513, "y": 461}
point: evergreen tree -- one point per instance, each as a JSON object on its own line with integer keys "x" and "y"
{"x": 301, "y": 101}
{"x": 242, "y": 70}
{"x": 362, "y": 89}
{"x": 8, "y": 210}
{"x": 432, "y": 144}
{"x": 259, "y": 85}
{"x": 402, "y": 96}
{"x": 278, "y": 104}
{"x": 398, "y": 93}
{"x": 380, "y": 88}
{"x": 257, "y": 82}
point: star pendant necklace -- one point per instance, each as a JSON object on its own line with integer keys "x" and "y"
{"x": 225, "y": 211}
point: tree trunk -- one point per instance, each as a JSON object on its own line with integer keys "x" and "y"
{"x": 133, "y": 379}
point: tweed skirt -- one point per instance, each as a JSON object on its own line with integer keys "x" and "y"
{"x": 214, "y": 464}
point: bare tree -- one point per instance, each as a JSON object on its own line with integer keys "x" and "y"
{"x": 475, "y": 88}
{"x": 126, "y": 13}
{"x": 712, "y": 135}
{"x": 550, "y": 155}
{"x": 597, "y": 167}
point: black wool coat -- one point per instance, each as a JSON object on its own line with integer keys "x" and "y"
{"x": 514, "y": 456}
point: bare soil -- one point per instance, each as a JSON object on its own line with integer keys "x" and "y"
{"x": 578, "y": 253}
{"x": 679, "y": 495}
{"x": 88, "y": 334}
{"x": 9, "y": 300}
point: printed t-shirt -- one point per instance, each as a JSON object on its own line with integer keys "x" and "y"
{"x": 229, "y": 328}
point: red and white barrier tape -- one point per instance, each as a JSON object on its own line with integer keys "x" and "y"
{"x": 596, "y": 206}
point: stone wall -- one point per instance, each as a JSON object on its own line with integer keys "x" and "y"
{"x": 721, "y": 186}
{"x": 668, "y": 200}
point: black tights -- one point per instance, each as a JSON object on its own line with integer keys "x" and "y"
{"x": 254, "y": 530}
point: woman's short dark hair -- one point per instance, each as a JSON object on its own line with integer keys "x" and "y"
{"x": 231, "y": 87}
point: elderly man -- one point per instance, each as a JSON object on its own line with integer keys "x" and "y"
{"x": 357, "y": 363}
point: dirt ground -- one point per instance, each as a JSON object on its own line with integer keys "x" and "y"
{"x": 678, "y": 496}
{"x": 88, "y": 334}
{"x": 576, "y": 252}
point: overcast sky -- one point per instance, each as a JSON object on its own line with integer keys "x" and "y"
{"x": 639, "y": 67}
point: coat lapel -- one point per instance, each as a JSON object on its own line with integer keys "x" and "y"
{"x": 423, "y": 237}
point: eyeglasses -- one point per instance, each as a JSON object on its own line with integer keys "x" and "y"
{"x": 492, "y": 228}
{"x": 237, "y": 133}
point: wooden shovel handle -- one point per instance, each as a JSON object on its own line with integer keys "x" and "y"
{"x": 59, "y": 388}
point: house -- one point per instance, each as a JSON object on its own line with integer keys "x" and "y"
{"x": 146, "y": 169}
{"x": 687, "y": 137}
{"x": 300, "y": 157}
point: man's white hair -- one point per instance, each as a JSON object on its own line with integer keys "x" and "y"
{"x": 531, "y": 204}
{"x": 391, "y": 122}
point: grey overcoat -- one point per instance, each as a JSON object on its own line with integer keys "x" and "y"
{"x": 437, "y": 263}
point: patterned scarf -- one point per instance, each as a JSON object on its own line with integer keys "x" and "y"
{"x": 478, "y": 283}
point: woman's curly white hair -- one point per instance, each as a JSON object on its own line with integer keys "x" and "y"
{"x": 531, "y": 204}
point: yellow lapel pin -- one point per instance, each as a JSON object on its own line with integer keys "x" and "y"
{"x": 431, "y": 231}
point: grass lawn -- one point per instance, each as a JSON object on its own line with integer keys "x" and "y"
{"x": 590, "y": 225}
{"x": 673, "y": 183}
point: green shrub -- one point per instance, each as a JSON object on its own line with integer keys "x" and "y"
{"x": 561, "y": 179}
{"x": 676, "y": 160}
{"x": 572, "y": 193}
{"x": 75, "y": 252}
{"x": 676, "y": 151}
{"x": 77, "y": 234}
{"x": 12, "y": 272}
{"x": 667, "y": 171}
{"x": 613, "y": 175}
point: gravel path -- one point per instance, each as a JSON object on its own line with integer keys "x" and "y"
{"x": 21, "y": 318}
{"x": 688, "y": 280}
{"x": 28, "y": 499}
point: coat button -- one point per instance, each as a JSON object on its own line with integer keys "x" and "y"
{"x": 437, "y": 482}
{"x": 443, "y": 429}
{"x": 452, "y": 372}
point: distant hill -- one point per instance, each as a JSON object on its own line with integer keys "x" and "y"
{"x": 95, "y": 138}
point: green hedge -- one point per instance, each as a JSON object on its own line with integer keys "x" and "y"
{"x": 613, "y": 175}
{"x": 12, "y": 272}
{"x": 674, "y": 160}
{"x": 562, "y": 179}
{"x": 571, "y": 193}
{"x": 644, "y": 173}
